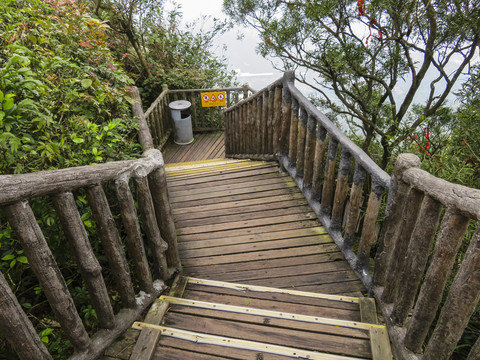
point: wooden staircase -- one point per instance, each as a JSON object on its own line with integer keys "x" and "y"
{"x": 206, "y": 319}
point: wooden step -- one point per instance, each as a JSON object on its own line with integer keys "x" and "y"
{"x": 209, "y": 319}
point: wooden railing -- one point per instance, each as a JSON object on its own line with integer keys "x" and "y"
{"x": 278, "y": 122}
{"x": 203, "y": 119}
{"x": 147, "y": 175}
{"x": 415, "y": 262}
{"x": 347, "y": 191}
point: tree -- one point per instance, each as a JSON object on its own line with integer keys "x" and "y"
{"x": 364, "y": 54}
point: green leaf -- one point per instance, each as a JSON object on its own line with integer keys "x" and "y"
{"x": 86, "y": 83}
{"x": 12, "y": 263}
{"x": 44, "y": 339}
{"x": 8, "y": 257}
{"x": 22, "y": 259}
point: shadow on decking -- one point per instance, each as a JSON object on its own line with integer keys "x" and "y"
{"x": 206, "y": 146}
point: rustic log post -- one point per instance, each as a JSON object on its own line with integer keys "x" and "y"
{"x": 460, "y": 305}
{"x": 111, "y": 242}
{"x": 144, "y": 135}
{"x": 286, "y": 119}
{"x": 302, "y": 131}
{"x": 356, "y": 201}
{"x": 292, "y": 143}
{"x": 265, "y": 122}
{"x": 318, "y": 168}
{"x": 259, "y": 122}
{"x": 21, "y": 218}
{"x": 244, "y": 128}
{"x": 277, "y": 120}
{"x": 164, "y": 214}
{"x": 160, "y": 128}
{"x": 16, "y": 327}
{"x": 194, "y": 110}
{"x": 235, "y": 130}
{"x": 416, "y": 258}
{"x": 400, "y": 244}
{"x": 474, "y": 353}
{"x": 271, "y": 122}
{"x": 227, "y": 134}
{"x": 309, "y": 152}
{"x": 451, "y": 233}
{"x": 328, "y": 185}
{"x": 397, "y": 196}
{"x": 369, "y": 233}
{"x": 157, "y": 245}
{"x": 90, "y": 269}
{"x": 251, "y": 128}
{"x": 341, "y": 190}
{"x": 133, "y": 240}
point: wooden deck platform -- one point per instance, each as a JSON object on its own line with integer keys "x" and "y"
{"x": 205, "y": 146}
{"x": 261, "y": 277}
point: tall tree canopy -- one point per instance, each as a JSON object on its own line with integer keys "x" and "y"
{"x": 370, "y": 58}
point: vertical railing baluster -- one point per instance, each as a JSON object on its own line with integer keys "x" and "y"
{"x": 292, "y": 147}
{"x": 328, "y": 185}
{"x": 397, "y": 195}
{"x": 318, "y": 168}
{"x": 302, "y": 132}
{"x": 194, "y": 110}
{"x": 416, "y": 258}
{"x": 133, "y": 240}
{"x": 356, "y": 200}
{"x": 164, "y": 215}
{"x": 108, "y": 232}
{"x": 260, "y": 133}
{"x": 271, "y": 121}
{"x": 309, "y": 152}
{"x": 341, "y": 190}
{"x": 256, "y": 127}
{"x": 17, "y": 328}
{"x": 369, "y": 232}
{"x": 147, "y": 211}
{"x": 452, "y": 230}
{"x": 277, "y": 120}
{"x": 400, "y": 244}
{"x": 90, "y": 269}
{"x": 286, "y": 119}
{"x": 265, "y": 128}
{"x": 40, "y": 258}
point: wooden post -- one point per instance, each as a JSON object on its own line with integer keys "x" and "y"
{"x": 475, "y": 351}
{"x": 134, "y": 240}
{"x": 318, "y": 169}
{"x": 398, "y": 194}
{"x": 147, "y": 211}
{"x": 369, "y": 233}
{"x": 108, "y": 232}
{"x": 286, "y": 120}
{"x": 292, "y": 143}
{"x": 277, "y": 120}
{"x": 16, "y": 327}
{"x": 328, "y": 185}
{"x": 164, "y": 214}
{"x": 451, "y": 233}
{"x": 302, "y": 131}
{"x": 309, "y": 152}
{"x": 265, "y": 122}
{"x": 400, "y": 244}
{"x": 271, "y": 123}
{"x": 416, "y": 258}
{"x": 144, "y": 135}
{"x": 21, "y": 218}
{"x": 91, "y": 270}
{"x": 460, "y": 305}
{"x": 341, "y": 190}
{"x": 356, "y": 201}
{"x": 259, "y": 122}
{"x": 249, "y": 134}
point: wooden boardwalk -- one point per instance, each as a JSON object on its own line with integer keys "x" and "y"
{"x": 204, "y": 147}
{"x": 261, "y": 277}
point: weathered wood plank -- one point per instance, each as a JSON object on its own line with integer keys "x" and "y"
{"x": 368, "y": 310}
{"x": 380, "y": 344}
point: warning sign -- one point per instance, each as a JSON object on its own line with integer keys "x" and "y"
{"x": 210, "y": 99}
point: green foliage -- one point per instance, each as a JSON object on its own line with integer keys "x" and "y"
{"x": 157, "y": 49}
{"x": 63, "y": 97}
{"x": 368, "y": 65}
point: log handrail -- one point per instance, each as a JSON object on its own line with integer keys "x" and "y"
{"x": 147, "y": 176}
{"x": 158, "y": 115}
{"x": 392, "y": 236}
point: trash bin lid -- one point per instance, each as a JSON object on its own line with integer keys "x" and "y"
{"x": 180, "y": 105}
